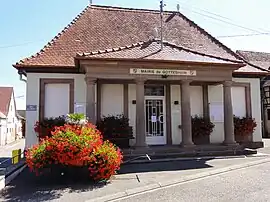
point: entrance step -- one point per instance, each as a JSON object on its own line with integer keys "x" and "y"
{"x": 147, "y": 154}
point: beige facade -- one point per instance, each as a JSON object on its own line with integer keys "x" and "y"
{"x": 105, "y": 92}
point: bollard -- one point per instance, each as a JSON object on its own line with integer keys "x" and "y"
{"x": 16, "y": 156}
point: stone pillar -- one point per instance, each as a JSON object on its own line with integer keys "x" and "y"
{"x": 186, "y": 114}
{"x": 140, "y": 114}
{"x": 228, "y": 114}
{"x": 90, "y": 99}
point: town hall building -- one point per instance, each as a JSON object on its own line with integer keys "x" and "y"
{"x": 107, "y": 61}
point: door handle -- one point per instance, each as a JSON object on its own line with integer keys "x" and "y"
{"x": 159, "y": 118}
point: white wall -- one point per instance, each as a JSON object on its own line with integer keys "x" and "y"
{"x": 112, "y": 99}
{"x": 32, "y": 98}
{"x": 176, "y": 114}
{"x": 255, "y": 104}
{"x": 238, "y": 99}
{"x": 3, "y": 131}
{"x": 132, "y": 110}
{"x": 11, "y": 121}
{"x": 196, "y": 105}
{"x": 196, "y": 100}
{"x": 215, "y": 96}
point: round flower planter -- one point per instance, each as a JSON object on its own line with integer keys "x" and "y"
{"x": 67, "y": 173}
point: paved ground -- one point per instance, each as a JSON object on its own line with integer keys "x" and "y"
{"x": 248, "y": 185}
{"x": 6, "y": 152}
{"x": 28, "y": 187}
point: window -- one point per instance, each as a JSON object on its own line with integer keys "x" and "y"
{"x": 154, "y": 90}
{"x": 266, "y": 100}
{"x": 268, "y": 114}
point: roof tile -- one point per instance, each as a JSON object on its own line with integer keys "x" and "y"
{"x": 5, "y": 97}
{"x": 101, "y": 27}
{"x": 151, "y": 50}
{"x": 259, "y": 59}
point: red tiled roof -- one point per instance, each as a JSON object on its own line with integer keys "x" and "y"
{"x": 5, "y": 97}
{"x": 256, "y": 59}
{"x": 151, "y": 50}
{"x": 101, "y": 27}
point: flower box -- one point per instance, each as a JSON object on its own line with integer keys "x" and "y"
{"x": 116, "y": 129}
{"x": 201, "y": 130}
{"x": 244, "y": 128}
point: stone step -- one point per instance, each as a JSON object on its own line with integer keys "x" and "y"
{"x": 147, "y": 157}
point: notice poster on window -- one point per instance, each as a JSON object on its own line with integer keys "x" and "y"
{"x": 79, "y": 108}
{"x": 216, "y": 112}
{"x": 153, "y": 119}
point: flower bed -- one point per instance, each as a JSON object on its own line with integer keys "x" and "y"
{"x": 116, "y": 129}
{"x": 201, "y": 130}
{"x": 76, "y": 144}
{"x": 244, "y": 128}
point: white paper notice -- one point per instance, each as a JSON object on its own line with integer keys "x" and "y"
{"x": 153, "y": 119}
{"x": 80, "y": 108}
{"x": 216, "y": 112}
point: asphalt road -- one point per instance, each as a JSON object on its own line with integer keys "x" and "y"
{"x": 245, "y": 185}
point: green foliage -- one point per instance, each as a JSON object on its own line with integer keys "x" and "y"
{"x": 46, "y": 126}
{"x": 76, "y": 118}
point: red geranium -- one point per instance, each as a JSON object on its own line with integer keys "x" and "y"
{"x": 76, "y": 145}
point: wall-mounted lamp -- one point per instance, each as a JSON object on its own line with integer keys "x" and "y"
{"x": 164, "y": 76}
{"x": 133, "y": 102}
{"x": 176, "y": 102}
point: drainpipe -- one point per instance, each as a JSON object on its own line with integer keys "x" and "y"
{"x": 21, "y": 73}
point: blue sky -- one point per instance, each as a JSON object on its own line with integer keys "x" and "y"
{"x": 26, "y": 26}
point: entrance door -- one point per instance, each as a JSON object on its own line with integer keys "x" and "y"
{"x": 155, "y": 118}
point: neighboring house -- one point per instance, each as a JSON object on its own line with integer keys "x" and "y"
{"x": 108, "y": 61}
{"x": 10, "y": 126}
{"x": 21, "y": 114}
{"x": 261, "y": 60}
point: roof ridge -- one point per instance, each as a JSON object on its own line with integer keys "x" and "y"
{"x": 115, "y": 49}
{"x": 51, "y": 42}
{"x": 129, "y": 9}
{"x": 252, "y": 51}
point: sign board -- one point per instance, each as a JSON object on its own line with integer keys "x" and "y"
{"x": 169, "y": 72}
{"x": 80, "y": 108}
{"x": 31, "y": 108}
